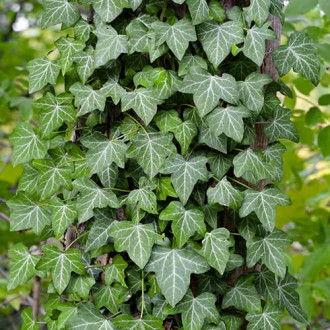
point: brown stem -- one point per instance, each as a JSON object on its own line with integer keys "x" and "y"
{"x": 3, "y": 216}
{"x": 36, "y": 297}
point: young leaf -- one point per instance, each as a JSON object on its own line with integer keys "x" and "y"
{"x": 215, "y": 248}
{"x": 189, "y": 61}
{"x": 266, "y": 284}
{"x": 185, "y": 221}
{"x": 108, "y": 9}
{"x": 29, "y": 322}
{"x": 258, "y": 11}
{"x": 199, "y": 11}
{"x": 184, "y": 134}
{"x": 136, "y": 239}
{"x": 263, "y": 203}
{"x": 195, "y": 310}
{"x": 269, "y": 319}
{"x": 61, "y": 264}
{"x": 185, "y": 174}
{"x": 80, "y": 285}
{"x": 115, "y": 271}
{"x": 173, "y": 268}
{"x": 85, "y": 64}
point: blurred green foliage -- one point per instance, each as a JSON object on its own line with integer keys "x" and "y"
{"x": 306, "y": 164}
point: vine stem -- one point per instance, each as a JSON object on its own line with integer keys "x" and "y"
{"x": 238, "y": 182}
{"x": 145, "y": 131}
{"x": 142, "y": 295}
{"x": 117, "y": 189}
{"x": 162, "y": 14}
{"x": 75, "y": 240}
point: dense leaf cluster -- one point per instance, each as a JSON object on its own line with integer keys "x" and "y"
{"x": 143, "y": 153}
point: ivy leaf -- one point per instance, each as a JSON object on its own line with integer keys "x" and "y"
{"x": 269, "y": 319}
{"x": 109, "y": 45}
{"x": 184, "y": 134}
{"x": 136, "y": 239}
{"x": 164, "y": 188}
{"x": 215, "y": 248}
{"x": 52, "y": 176}
{"x": 176, "y": 36}
{"x": 266, "y": 284}
{"x": 54, "y": 112}
{"x": 63, "y": 215}
{"x": 228, "y": 121}
{"x": 270, "y": 250}
{"x": 91, "y": 197}
{"x": 103, "y": 152}
{"x": 128, "y": 322}
{"x": 59, "y": 11}
{"x": 219, "y": 163}
{"x": 281, "y": 126}
{"x": 225, "y": 194}
{"x": 199, "y": 11}
{"x": 80, "y": 285}
{"x": 289, "y": 298}
{"x": 61, "y": 264}
{"x": 29, "y": 179}
{"x": 173, "y": 268}
{"x": 85, "y": 64}
{"x": 253, "y": 162}
{"x": 242, "y": 296}
{"x": 185, "y": 221}
{"x": 67, "y": 48}
{"x": 143, "y": 101}
{"x": 26, "y": 212}
{"x": 82, "y": 30}
{"x": 251, "y": 91}
{"x": 89, "y": 318}
{"x": 110, "y": 297}
{"x": 208, "y": 89}
{"x": 144, "y": 197}
{"x": 27, "y": 145}
{"x": 263, "y": 203}
{"x": 88, "y": 99}
{"x": 99, "y": 234}
{"x": 300, "y": 55}
{"x": 116, "y": 271}
{"x": 23, "y": 265}
{"x": 108, "y": 10}
{"x": 189, "y": 61}
{"x": 150, "y": 149}
{"x": 185, "y": 174}
{"x": 167, "y": 120}
{"x": 195, "y": 310}
{"x": 217, "y": 39}
{"x": 28, "y": 320}
{"x": 254, "y": 44}
{"x": 258, "y": 11}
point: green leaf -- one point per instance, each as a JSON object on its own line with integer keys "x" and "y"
{"x": 299, "y": 7}
{"x": 324, "y": 140}
{"x": 108, "y": 10}
{"x": 271, "y": 250}
{"x": 102, "y": 152}
{"x": 150, "y": 149}
{"x": 59, "y": 11}
{"x": 91, "y": 197}
{"x": 88, "y": 99}
{"x": 228, "y": 121}
{"x": 29, "y": 179}
{"x": 167, "y": 120}
{"x": 195, "y": 310}
{"x": 54, "y": 111}
{"x": 67, "y": 48}
{"x": 116, "y": 271}
{"x": 82, "y": 30}
{"x": 143, "y": 101}
{"x": 208, "y": 89}
{"x": 253, "y": 162}
{"x": 164, "y": 188}
{"x": 215, "y": 248}
{"x": 207, "y": 137}
{"x": 99, "y": 234}
{"x": 281, "y": 126}
{"x": 23, "y": 265}
{"x": 52, "y": 176}
{"x": 109, "y": 45}
{"x": 85, "y": 64}
{"x": 266, "y": 284}
{"x": 110, "y": 297}
{"x": 61, "y": 264}
{"x": 251, "y": 91}
{"x": 225, "y": 194}
{"x": 136, "y": 239}
{"x": 89, "y": 318}
{"x": 217, "y": 11}
{"x": 173, "y": 268}
{"x": 199, "y": 11}
{"x": 27, "y": 145}
{"x": 80, "y": 285}
{"x": 28, "y": 320}
{"x": 176, "y": 36}
{"x": 324, "y": 5}
{"x": 269, "y": 319}
{"x": 254, "y": 44}
{"x": 184, "y": 134}
{"x": 185, "y": 174}
{"x": 63, "y": 215}
{"x": 26, "y": 213}
{"x": 217, "y": 40}
{"x": 242, "y": 296}
{"x": 299, "y": 55}
{"x": 263, "y": 203}
{"x": 128, "y": 322}
{"x": 289, "y": 298}
{"x": 189, "y": 61}
{"x": 185, "y": 221}
{"x": 258, "y": 11}
{"x": 219, "y": 163}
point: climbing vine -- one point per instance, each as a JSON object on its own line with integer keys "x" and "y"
{"x": 146, "y": 180}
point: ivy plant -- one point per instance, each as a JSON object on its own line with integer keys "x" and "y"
{"x": 154, "y": 205}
